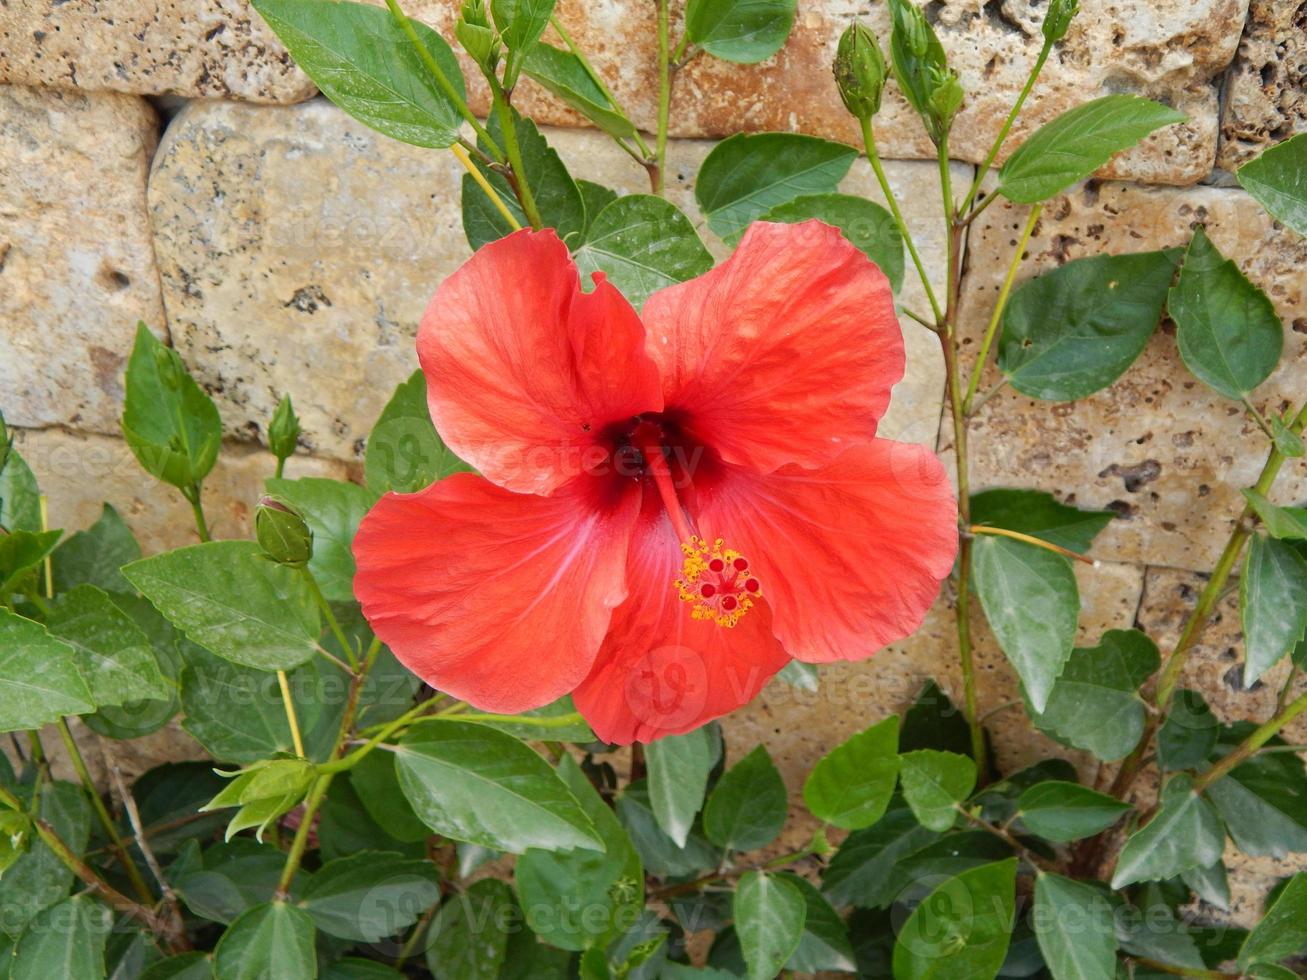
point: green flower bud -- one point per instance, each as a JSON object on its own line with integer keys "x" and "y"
{"x": 169, "y": 367}
{"x": 282, "y": 533}
{"x": 263, "y": 792}
{"x": 860, "y": 71}
{"x": 283, "y": 430}
{"x": 945, "y": 97}
{"x": 1057, "y": 19}
{"x": 478, "y": 38}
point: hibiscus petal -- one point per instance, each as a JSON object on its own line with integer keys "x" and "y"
{"x": 498, "y": 598}
{"x": 524, "y": 370}
{"x": 784, "y": 353}
{"x": 850, "y": 555}
{"x": 661, "y": 672}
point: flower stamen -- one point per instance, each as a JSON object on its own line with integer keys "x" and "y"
{"x": 718, "y": 581}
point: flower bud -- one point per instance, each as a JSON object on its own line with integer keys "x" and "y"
{"x": 282, "y": 533}
{"x": 945, "y": 97}
{"x": 283, "y": 430}
{"x": 263, "y": 792}
{"x": 860, "y": 71}
{"x": 477, "y": 36}
{"x": 1058, "y": 18}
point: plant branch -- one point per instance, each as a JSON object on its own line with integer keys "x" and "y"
{"x": 193, "y": 495}
{"x": 332, "y": 623}
{"x": 288, "y": 703}
{"x": 666, "y": 71}
{"x": 1249, "y": 747}
{"x": 517, "y": 177}
{"x": 869, "y": 145}
{"x": 1031, "y": 539}
{"x": 1005, "y": 835}
{"x": 486, "y": 186}
{"x": 599, "y": 84}
{"x": 999, "y": 306}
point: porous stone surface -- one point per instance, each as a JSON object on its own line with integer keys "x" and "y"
{"x": 1159, "y": 448}
{"x": 799, "y": 727}
{"x": 79, "y": 472}
{"x": 298, "y": 250}
{"x": 209, "y": 49}
{"x": 1266, "y": 88}
{"x": 76, "y": 260}
{"x": 1170, "y": 51}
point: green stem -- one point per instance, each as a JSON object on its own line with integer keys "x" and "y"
{"x": 1007, "y": 126}
{"x": 193, "y": 494}
{"x": 296, "y": 853}
{"x": 997, "y": 316}
{"x": 535, "y": 721}
{"x": 688, "y": 887}
{"x": 1250, "y": 745}
{"x": 281, "y": 466}
{"x": 517, "y": 178}
{"x": 442, "y": 80}
{"x": 869, "y": 144}
{"x": 330, "y": 616}
{"x": 102, "y": 812}
{"x": 664, "y": 95}
{"x": 1003, "y": 834}
{"x": 946, "y": 186}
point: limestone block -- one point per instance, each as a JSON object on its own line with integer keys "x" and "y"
{"x": 76, "y": 264}
{"x": 210, "y": 49}
{"x": 77, "y": 473}
{"x": 1171, "y": 51}
{"x": 1266, "y": 89}
{"x": 799, "y": 727}
{"x": 298, "y": 250}
{"x": 1158, "y": 447}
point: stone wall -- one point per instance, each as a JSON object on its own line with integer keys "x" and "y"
{"x": 164, "y": 160}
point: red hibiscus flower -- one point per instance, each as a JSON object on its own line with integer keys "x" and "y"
{"x": 668, "y": 510}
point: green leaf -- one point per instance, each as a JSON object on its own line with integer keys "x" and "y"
{"x": 113, "y": 655}
{"x": 1227, "y": 330}
{"x": 171, "y": 426}
{"x": 345, "y": 827}
{"x": 227, "y": 598}
{"x": 1077, "y": 328}
{"x": 1063, "y": 812}
{"x": 824, "y": 944}
{"x": 521, "y": 22}
{"x": 1278, "y": 179}
{"x": 748, "y": 806}
{"x": 860, "y": 872}
{"x": 1272, "y": 604}
{"x": 1287, "y": 441}
{"x": 934, "y": 722}
{"x": 851, "y": 785}
{"x": 65, "y": 940}
{"x": 934, "y": 783}
{"x": 39, "y": 879}
{"x": 41, "y": 679}
{"x": 998, "y": 800}
{"x": 472, "y": 783}
{"x": 661, "y": 855}
{"x": 642, "y": 243}
{"x": 563, "y": 74}
{"x": 94, "y": 556}
{"x": 748, "y": 174}
{"x": 1185, "y": 833}
{"x": 1032, "y": 602}
{"x": 596, "y": 198}
{"x": 1263, "y": 801}
{"x": 1078, "y": 142}
{"x": 370, "y": 895}
{"x": 469, "y": 936}
{"x": 366, "y": 64}
{"x": 230, "y": 878}
{"x": 1189, "y": 733}
{"x": 1040, "y": 514}
{"x": 800, "y": 675}
{"x": 1152, "y": 931}
{"x": 333, "y": 510}
{"x": 1095, "y": 704}
{"x": 556, "y": 195}
{"x": 769, "y": 915}
{"x": 1283, "y": 931}
{"x": 404, "y": 452}
{"x": 1270, "y": 971}
{"x": 743, "y": 31}
{"x": 377, "y": 783}
{"x": 582, "y": 898}
{"x": 20, "y": 553}
{"x": 357, "y": 968}
{"x": 1284, "y": 523}
{"x": 678, "y": 777}
{"x": 236, "y": 712}
{"x": 1073, "y": 922}
{"x": 864, "y": 223}
{"x": 1211, "y": 884}
{"x": 185, "y": 966}
{"x": 962, "y": 928}
{"x": 270, "y": 940}
{"x": 20, "y": 497}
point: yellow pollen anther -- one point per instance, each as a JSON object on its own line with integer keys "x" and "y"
{"x": 718, "y": 581}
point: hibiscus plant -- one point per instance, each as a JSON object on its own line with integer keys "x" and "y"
{"x": 462, "y": 716}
